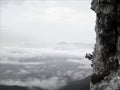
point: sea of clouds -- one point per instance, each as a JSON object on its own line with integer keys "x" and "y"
{"x": 17, "y": 56}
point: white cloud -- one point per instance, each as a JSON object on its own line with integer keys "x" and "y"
{"x": 23, "y": 72}
{"x": 83, "y": 61}
{"x": 19, "y": 52}
{"x": 52, "y": 83}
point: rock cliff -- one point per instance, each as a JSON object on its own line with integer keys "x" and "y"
{"x": 106, "y": 56}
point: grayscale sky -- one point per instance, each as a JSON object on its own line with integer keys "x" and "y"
{"x": 41, "y": 21}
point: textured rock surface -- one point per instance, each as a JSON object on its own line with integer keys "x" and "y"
{"x": 106, "y": 56}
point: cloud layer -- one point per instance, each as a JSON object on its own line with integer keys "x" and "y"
{"x": 39, "y": 67}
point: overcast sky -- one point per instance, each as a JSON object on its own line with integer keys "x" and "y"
{"x": 42, "y": 21}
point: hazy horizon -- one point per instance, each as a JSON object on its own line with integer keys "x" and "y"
{"x": 48, "y": 21}
{"x": 43, "y": 43}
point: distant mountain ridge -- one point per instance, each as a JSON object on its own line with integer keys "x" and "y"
{"x": 74, "y": 45}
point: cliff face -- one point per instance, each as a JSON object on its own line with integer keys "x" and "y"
{"x": 106, "y": 58}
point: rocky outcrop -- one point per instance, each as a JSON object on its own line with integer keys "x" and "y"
{"x": 106, "y": 58}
